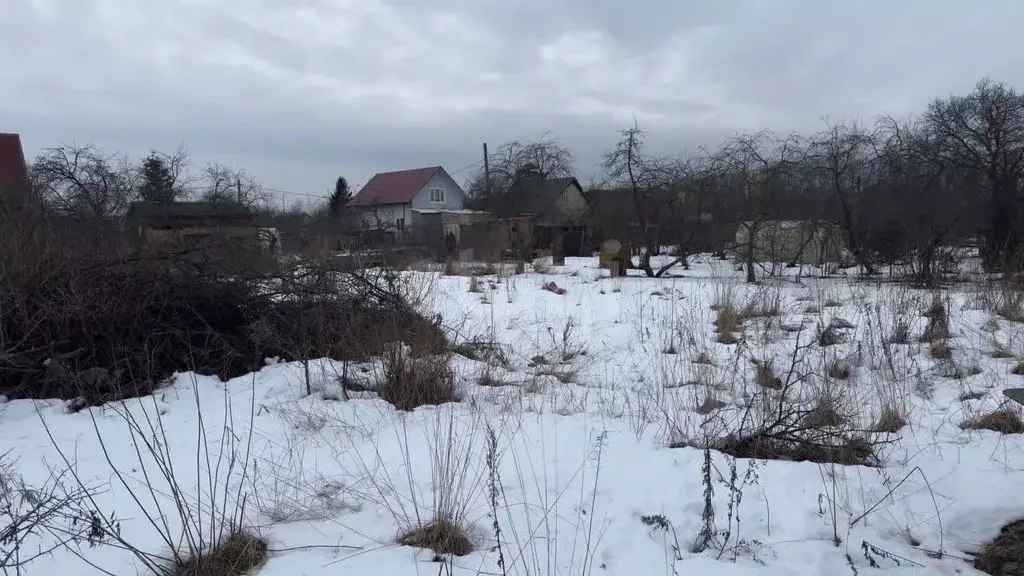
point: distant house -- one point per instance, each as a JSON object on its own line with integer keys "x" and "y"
{"x": 555, "y": 201}
{"x": 14, "y": 178}
{"x": 395, "y": 201}
{"x": 558, "y": 209}
{"x": 193, "y": 224}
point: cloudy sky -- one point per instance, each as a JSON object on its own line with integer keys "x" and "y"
{"x": 300, "y": 91}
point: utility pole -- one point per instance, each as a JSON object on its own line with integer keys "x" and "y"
{"x": 487, "y": 172}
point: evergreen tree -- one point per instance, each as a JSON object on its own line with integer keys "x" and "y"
{"x": 157, "y": 181}
{"x": 340, "y": 196}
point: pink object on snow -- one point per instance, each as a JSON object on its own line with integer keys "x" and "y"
{"x": 552, "y": 287}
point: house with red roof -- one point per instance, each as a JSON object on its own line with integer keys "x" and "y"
{"x": 398, "y": 201}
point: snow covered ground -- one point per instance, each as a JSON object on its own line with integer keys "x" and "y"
{"x": 562, "y": 439}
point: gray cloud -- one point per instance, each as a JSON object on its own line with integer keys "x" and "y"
{"x": 298, "y": 92}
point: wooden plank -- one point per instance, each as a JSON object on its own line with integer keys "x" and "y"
{"x": 1015, "y": 394}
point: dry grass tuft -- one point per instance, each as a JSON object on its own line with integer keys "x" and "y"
{"x": 938, "y": 321}
{"x": 237, "y": 555}
{"x": 891, "y": 421}
{"x": 829, "y": 336}
{"x": 1010, "y": 304}
{"x": 443, "y": 537}
{"x": 410, "y": 383}
{"x": 1000, "y": 352}
{"x": 474, "y": 284}
{"x": 704, "y": 358}
{"x": 728, "y": 322}
{"x": 766, "y": 377}
{"x": 709, "y": 405}
{"x": 451, "y": 268}
{"x": 1019, "y": 368}
{"x": 900, "y": 333}
{"x": 763, "y": 303}
{"x": 941, "y": 350}
{"x": 1004, "y": 421}
{"x": 823, "y": 415}
{"x": 840, "y": 370}
{"x": 1004, "y": 556}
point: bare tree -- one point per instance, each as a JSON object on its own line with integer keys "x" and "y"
{"x": 225, "y": 185}
{"x": 984, "y": 132}
{"x": 511, "y": 163}
{"x": 644, "y": 177}
{"x": 843, "y": 157}
{"x": 83, "y": 182}
{"x": 927, "y": 196}
{"x": 687, "y": 209}
{"x": 178, "y": 164}
{"x": 761, "y": 166}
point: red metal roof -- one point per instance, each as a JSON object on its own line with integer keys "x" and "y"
{"x": 393, "y": 187}
{"x": 13, "y": 170}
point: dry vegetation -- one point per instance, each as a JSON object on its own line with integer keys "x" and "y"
{"x": 1004, "y": 421}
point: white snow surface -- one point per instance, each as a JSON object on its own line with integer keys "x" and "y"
{"x": 331, "y": 483}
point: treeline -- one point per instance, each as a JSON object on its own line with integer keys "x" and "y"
{"x": 901, "y": 189}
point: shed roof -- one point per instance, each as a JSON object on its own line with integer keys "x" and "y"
{"x": 188, "y": 210}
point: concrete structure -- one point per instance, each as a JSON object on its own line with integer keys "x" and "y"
{"x": 192, "y": 224}
{"x": 809, "y": 242}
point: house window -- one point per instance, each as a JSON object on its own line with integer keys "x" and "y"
{"x": 400, "y": 224}
{"x": 437, "y": 195}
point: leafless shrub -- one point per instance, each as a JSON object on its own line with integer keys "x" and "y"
{"x": 1004, "y": 421}
{"x": 763, "y": 302}
{"x": 409, "y": 383}
{"x": 774, "y": 426}
{"x": 451, "y": 268}
{"x": 212, "y": 521}
{"x": 438, "y": 521}
{"x": 1009, "y": 302}
{"x": 37, "y": 520}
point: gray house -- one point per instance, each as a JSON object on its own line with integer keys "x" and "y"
{"x": 396, "y": 201}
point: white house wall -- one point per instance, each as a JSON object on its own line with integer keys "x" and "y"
{"x": 367, "y": 217}
{"x": 454, "y": 197}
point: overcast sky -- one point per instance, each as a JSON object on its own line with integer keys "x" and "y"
{"x": 300, "y": 91}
